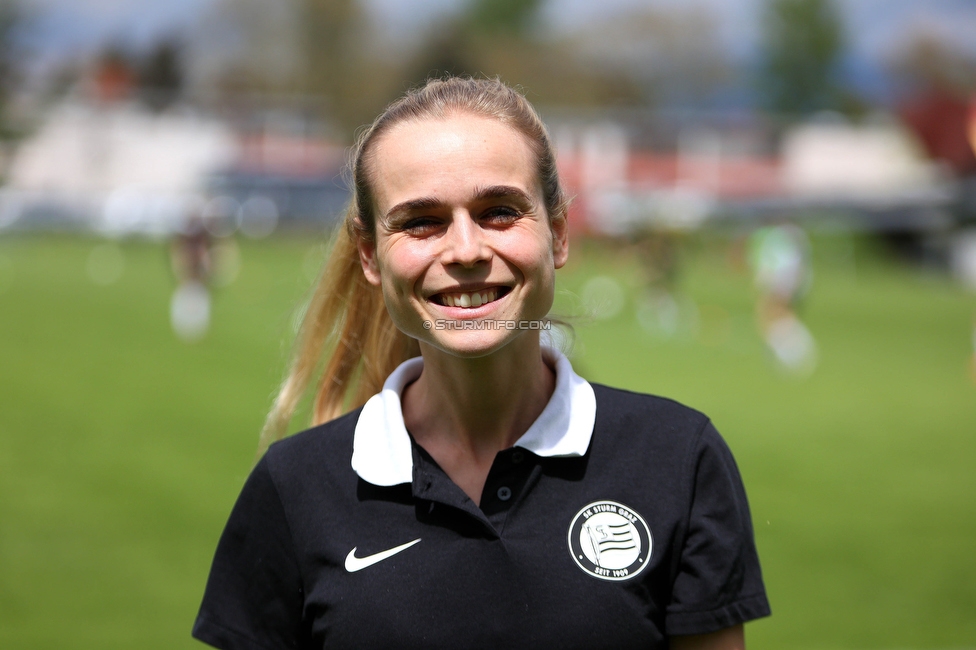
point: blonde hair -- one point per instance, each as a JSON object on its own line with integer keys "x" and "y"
{"x": 346, "y": 330}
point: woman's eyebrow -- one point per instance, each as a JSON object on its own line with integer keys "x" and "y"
{"x": 501, "y": 192}
{"x": 401, "y": 210}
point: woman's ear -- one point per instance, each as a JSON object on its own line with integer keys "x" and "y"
{"x": 367, "y": 258}
{"x": 560, "y": 238}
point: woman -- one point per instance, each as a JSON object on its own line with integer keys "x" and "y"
{"x": 487, "y": 496}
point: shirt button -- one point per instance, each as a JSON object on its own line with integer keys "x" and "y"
{"x": 504, "y": 493}
{"x": 517, "y": 457}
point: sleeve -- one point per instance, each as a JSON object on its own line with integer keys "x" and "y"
{"x": 718, "y": 582}
{"x": 254, "y": 596}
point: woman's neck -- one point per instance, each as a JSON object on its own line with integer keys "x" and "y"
{"x": 464, "y": 411}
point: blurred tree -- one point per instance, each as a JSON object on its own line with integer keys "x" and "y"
{"x": 458, "y": 46}
{"x": 306, "y": 58}
{"x": 160, "y": 74}
{"x": 504, "y": 38}
{"x": 335, "y": 40}
{"x": 244, "y": 48}
{"x": 802, "y": 44}
{"x": 930, "y": 61}
{"x": 508, "y": 17}
{"x": 673, "y": 56}
{"x": 11, "y": 18}
{"x": 339, "y": 62}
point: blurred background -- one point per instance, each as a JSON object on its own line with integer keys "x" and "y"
{"x": 774, "y": 221}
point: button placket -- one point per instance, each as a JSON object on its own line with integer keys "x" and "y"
{"x": 505, "y": 482}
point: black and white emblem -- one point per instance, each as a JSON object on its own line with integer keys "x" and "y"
{"x": 610, "y": 541}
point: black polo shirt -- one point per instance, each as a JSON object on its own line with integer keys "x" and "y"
{"x": 641, "y": 534}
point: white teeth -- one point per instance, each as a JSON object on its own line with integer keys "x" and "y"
{"x": 469, "y": 300}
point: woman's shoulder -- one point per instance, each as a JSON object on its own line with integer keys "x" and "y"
{"x": 649, "y": 424}
{"x": 636, "y": 425}
{"x": 321, "y": 447}
{"x": 618, "y": 403}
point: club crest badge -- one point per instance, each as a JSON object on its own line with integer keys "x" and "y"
{"x": 609, "y": 541}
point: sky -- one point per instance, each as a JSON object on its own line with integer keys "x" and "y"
{"x": 876, "y": 28}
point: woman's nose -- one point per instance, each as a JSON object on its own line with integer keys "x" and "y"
{"x": 465, "y": 243}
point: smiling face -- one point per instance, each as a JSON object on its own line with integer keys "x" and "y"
{"x": 462, "y": 232}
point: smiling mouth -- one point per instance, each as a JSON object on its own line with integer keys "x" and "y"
{"x": 469, "y": 299}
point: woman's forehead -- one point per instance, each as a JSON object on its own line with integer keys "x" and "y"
{"x": 455, "y": 154}
{"x": 457, "y": 128}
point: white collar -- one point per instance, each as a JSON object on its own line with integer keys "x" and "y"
{"x": 381, "y": 450}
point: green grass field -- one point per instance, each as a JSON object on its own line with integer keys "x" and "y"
{"x": 122, "y": 449}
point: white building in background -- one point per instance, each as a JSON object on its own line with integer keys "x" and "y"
{"x": 871, "y": 165}
{"x": 116, "y": 168}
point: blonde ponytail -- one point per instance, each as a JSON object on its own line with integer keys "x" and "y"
{"x": 347, "y": 328}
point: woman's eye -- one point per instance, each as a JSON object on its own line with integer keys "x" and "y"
{"x": 420, "y": 225}
{"x": 502, "y": 214}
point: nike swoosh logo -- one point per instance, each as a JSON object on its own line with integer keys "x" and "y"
{"x": 354, "y": 563}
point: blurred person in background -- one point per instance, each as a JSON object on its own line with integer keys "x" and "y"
{"x": 971, "y": 255}
{"x": 780, "y": 259}
{"x": 481, "y": 494}
{"x": 963, "y": 260}
{"x": 658, "y": 251}
{"x": 192, "y": 261}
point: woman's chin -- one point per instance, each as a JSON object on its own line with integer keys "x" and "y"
{"x": 470, "y": 344}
